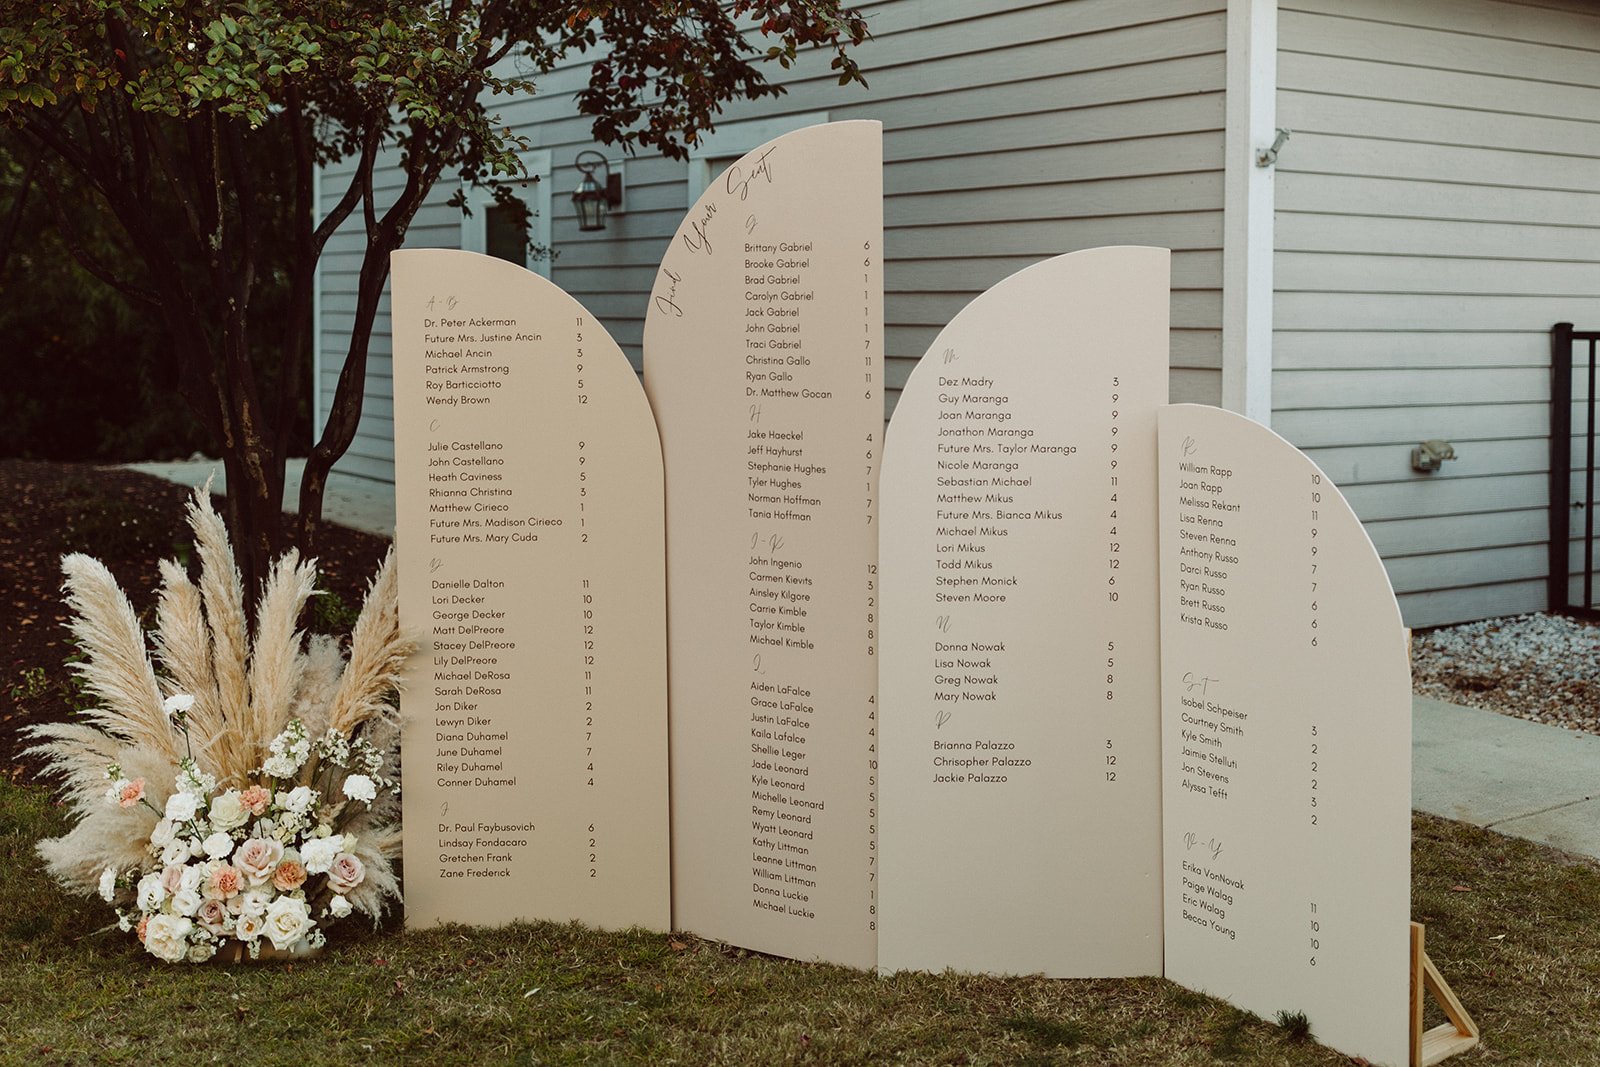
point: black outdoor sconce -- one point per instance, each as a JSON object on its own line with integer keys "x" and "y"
{"x": 593, "y": 198}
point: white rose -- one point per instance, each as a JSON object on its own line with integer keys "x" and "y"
{"x": 249, "y": 927}
{"x": 360, "y": 787}
{"x": 108, "y": 884}
{"x": 150, "y": 893}
{"x": 319, "y": 853}
{"x": 197, "y": 847}
{"x": 167, "y": 937}
{"x": 297, "y": 800}
{"x": 218, "y": 845}
{"x": 228, "y": 811}
{"x": 288, "y": 920}
{"x": 164, "y": 833}
{"x": 338, "y": 907}
{"x": 186, "y": 901}
{"x": 181, "y": 806}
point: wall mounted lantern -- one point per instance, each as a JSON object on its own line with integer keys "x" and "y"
{"x": 594, "y": 197}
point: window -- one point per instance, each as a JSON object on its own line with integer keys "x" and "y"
{"x": 521, "y": 237}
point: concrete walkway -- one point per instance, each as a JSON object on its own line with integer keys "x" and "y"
{"x": 1516, "y": 777}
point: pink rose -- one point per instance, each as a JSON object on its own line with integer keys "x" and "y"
{"x": 289, "y": 876}
{"x": 346, "y": 873}
{"x": 172, "y": 879}
{"x": 132, "y": 793}
{"x": 213, "y": 916}
{"x": 225, "y": 883}
{"x": 257, "y": 858}
{"x": 255, "y": 799}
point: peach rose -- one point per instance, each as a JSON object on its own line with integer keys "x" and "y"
{"x": 256, "y": 799}
{"x": 346, "y": 873}
{"x": 144, "y": 924}
{"x": 132, "y": 793}
{"x": 289, "y": 876}
{"x": 225, "y": 883}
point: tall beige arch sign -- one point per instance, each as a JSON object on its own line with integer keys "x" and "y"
{"x": 529, "y": 528}
{"x": 1021, "y": 756}
{"x": 1286, "y": 739}
{"x": 763, "y": 360}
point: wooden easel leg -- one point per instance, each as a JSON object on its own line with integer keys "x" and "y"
{"x": 1444, "y": 1041}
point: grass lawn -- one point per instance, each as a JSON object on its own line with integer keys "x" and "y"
{"x": 1511, "y": 923}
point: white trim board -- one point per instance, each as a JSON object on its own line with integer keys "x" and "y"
{"x": 1248, "y": 202}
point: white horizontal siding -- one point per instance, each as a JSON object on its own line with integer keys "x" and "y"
{"x": 1014, "y": 130}
{"x": 1438, "y": 209}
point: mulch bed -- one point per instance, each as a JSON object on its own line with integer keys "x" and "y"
{"x": 126, "y": 520}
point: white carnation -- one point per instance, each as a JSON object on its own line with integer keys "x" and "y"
{"x": 319, "y": 853}
{"x": 218, "y": 845}
{"x": 360, "y": 787}
{"x": 339, "y": 907}
{"x": 181, "y": 806}
{"x": 167, "y": 937}
{"x": 150, "y": 893}
{"x": 177, "y": 704}
{"x": 108, "y": 884}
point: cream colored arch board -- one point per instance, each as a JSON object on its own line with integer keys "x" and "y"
{"x": 763, "y": 359}
{"x": 1021, "y": 758}
{"x": 530, "y": 538}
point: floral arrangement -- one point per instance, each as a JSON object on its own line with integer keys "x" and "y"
{"x": 247, "y": 794}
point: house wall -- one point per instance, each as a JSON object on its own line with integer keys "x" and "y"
{"x": 1013, "y": 131}
{"x": 1438, "y": 210}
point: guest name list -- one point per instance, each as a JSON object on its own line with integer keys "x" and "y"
{"x": 1286, "y": 720}
{"x": 1020, "y": 661}
{"x": 529, "y": 529}
{"x": 763, "y": 360}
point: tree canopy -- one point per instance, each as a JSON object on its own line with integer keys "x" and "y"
{"x": 196, "y": 129}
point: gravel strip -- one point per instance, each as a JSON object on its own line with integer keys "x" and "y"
{"x": 1543, "y": 668}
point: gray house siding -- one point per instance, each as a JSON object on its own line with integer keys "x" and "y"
{"x": 1438, "y": 209}
{"x": 1013, "y": 131}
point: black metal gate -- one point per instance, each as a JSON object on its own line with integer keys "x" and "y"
{"x": 1563, "y": 448}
